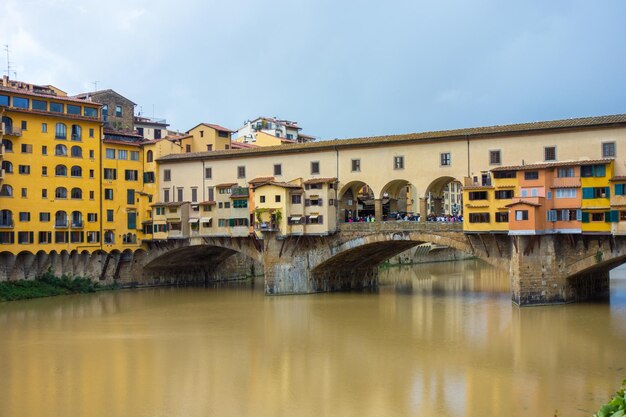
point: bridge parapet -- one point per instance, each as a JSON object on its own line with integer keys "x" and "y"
{"x": 401, "y": 226}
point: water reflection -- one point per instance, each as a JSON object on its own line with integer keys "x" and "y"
{"x": 441, "y": 339}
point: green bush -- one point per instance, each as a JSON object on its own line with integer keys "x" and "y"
{"x": 46, "y": 285}
{"x": 617, "y": 406}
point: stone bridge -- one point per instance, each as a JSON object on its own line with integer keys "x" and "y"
{"x": 543, "y": 269}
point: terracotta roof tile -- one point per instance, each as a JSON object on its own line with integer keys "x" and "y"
{"x": 260, "y": 180}
{"x": 320, "y": 180}
{"x": 280, "y": 184}
{"x": 226, "y": 185}
{"x": 552, "y": 165}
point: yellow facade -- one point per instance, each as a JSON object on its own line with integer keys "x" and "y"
{"x": 206, "y": 137}
{"x": 596, "y": 202}
{"x": 51, "y": 172}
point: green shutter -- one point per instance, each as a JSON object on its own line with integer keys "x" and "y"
{"x": 587, "y": 192}
{"x": 614, "y": 215}
{"x": 619, "y": 189}
{"x": 608, "y": 192}
{"x": 600, "y": 171}
{"x": 585, "y": 217}
{"x": 231, "y": 222}
{"x": 132, "y": 220}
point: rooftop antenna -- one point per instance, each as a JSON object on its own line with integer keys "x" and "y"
{"x": 6, "y": 49}
{"x": 95, "y": 86}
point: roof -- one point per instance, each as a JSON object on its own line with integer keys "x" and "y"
{"x": 85, "y": 96}
{"x": 226, "y": 185}
{"x": 528, "y": 203}
{"x": 280, "y": 184}
{"x": 553, "y": 165}
{"x": 260, "y": 180}
{"x": 618, "y": 178}
{"x": 170, "y": 204}
{"x": 207, "y": 203}
{"x": 618, "y": 120}
{"x": 212, "y": 126}
{"x": 320, "y": 180}
{"x": 242, "y": 145}
{"x": 122, "y": 142}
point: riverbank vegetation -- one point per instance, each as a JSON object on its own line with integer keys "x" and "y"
{"x": 617, "y": 406}
{"x": 47, "y": 285}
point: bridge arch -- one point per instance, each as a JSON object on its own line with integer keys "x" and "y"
{"x": 356, "y": 199}
{"x": 398, "y": 196}
{"x": 436, "y": 202}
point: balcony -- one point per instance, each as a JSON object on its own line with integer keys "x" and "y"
{"x": 172, "y": 215}
{"x": 11, "y": 131}
{"x": 267, "y": 227}
{"x": 77, "y": 224}
{"x": 60, "y": 224}
{"x": 239, "y": 192}
{"x": 6, "y": 224}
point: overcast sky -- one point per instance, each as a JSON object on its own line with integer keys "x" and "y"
{"x": 339, "y": 68}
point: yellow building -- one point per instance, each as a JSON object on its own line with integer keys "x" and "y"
{"x": 206, "y": 137}
{"x": 50, "y": 177}
{"x": 596, "y": 195}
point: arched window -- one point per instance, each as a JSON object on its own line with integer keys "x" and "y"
{"x": 6, "y": 190}
{"x": 109, "y": 237}
{"x": 7, "y": 166}
{"x": 6, "y": 218}
{"x": 8, "y": 125}
{"x": 60, "y": 150}
{"x": 76, "y": 171}
{"x": 77, "y": 152}
{"x": 61, "y": 192}
{"x": 60, "y": 171}
{"x": 8, "y": 145}
{"x": 149, "y": 156}
{"x": 60, "y": 131}
{"x": 77, "y": 132}
{"x": 77, "y": 219}
{"x": 77, "y": 193}
{"x": 60, "y": 219}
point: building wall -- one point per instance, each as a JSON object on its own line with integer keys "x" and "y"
{"x": 202, "y": 136}
{"x": 112, "y": 99}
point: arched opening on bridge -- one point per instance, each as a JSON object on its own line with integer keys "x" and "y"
{"x": 357, "y": 201}
{"x": 398, "y": 201}
{"x": 443, "y": 199}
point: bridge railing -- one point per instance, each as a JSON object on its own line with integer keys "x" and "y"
{"x": 401, "y": 226}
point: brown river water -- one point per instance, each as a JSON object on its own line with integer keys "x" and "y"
{"x": 433, "y": 340}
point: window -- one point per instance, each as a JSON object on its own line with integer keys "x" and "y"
{"x": 531, "y": 175}
{"x": 109, "y": 215}
{"x": 24, "y": 216}
{"x": 23, "y": 169}
{"x": 44, "y": 193}
{"x": 262, "y": 199}
{"x": 109, "y": 237}
{"x": 398, "y": 162}
{"x": 77, "y": 133}
{"x": 44, "y": 150}
{"x": 8, "y": 145}
{"x": 56, "y": 107}
{"x": 90, "y": 112}
{"x": 277, "y": 198}
{"x": 208, "y": 173}
{"x": 6, "y": 218}
{"x": 315, "y": 167}
{"x": 72, "y": 109}
{"x": 620, "y": 189}
{"x": 149, "y": 156}
{"x": 60, "y": 219}
{"x": 596, "y": 192}
{"x": 60, "y": 131}
{"x": 130, "y": 197}
{"x": 134, "y": 155}
{"x": 118, "y": 111}
{"x": 44, "y": 128}
{"x": 60, "y": 150}
{"x": 187, "y": 148}
{"x": 241, "y": 172}
{"x": 495, "y": 159}
{"x": 91, "y": 133}
{"x": 222, "y": 134}
{"x": 181, "y": 192}
{"x": 109, "y": 153}
{"x": 24, "y": 125}
{"x": 167, "y": 175}
{"x": 445, "y": 159}
{"x": 608, "y": 150}
{"x": 77, "y": 194}
{"x": 131, "y": 175}
{"x": 108, "y": 193}
{"x": 91, "y": 173}
{"x": 7, "y": 166}
{"x": 44, "y": 217}
{"x": 479, "y": 218}
{"x": 504, "y": 194}
{"x": 91, "y": 195}
{"x": 148, "y": 177}
{"x": 597, "y": 217}
{"x": 76, "y": 171}
{"x": 278, "y": 169}
{"x": 105, "y": 112}
{"x": 25, "y": 238}
{"x": 60, "y": 192}
{"x": 566, "y": 172}
{"x": 60, "y": 171}
{"x": 502, "y": 217}
{"x": 26, "y": 148}
{"x": 296, "y": 199}
{"x": 4, "y": 100}
{"x": 24, "y": 192}
{"x": 131, "y": 220}
{"x": 565, "y": 193}
{"x": 20, "y": 102}
{"x": 194, "y": 195}
{"x": 240, "y": 203}
{"x": 521, "y": 215}
{"x": 478, "y": 195}
{"x": 110, "y": 173}
{"x": 211, "y": 193}
{"x": 166, "y": 195}
{"x": 356, "y": 165}
{"x": 549, "y": 153}
{"x": 6, "y": 190}
{"x": 122, "y": 154}
{"x": 209, "y": 147}
{"x": 77, "y": 152}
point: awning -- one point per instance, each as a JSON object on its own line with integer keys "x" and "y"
{"x": 205, "y": 220}
{"x": 296, "y": 218}
{"x": 313, "y": 217}
{"x": 194, "y": 220}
